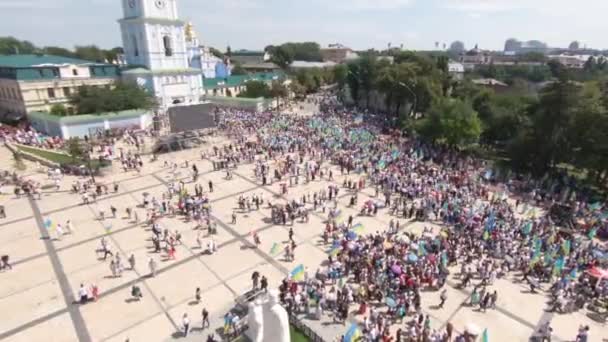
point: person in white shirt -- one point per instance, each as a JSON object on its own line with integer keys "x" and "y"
{"x": 186, "y": 324}
{"x": 83, "y": 294}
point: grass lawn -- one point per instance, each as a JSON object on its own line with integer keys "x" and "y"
{"x": 297, "y": 335}
{"x": 51, "y": 156}
{"x": 59, "y": 158}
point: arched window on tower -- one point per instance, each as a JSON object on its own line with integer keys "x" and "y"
{"x": 167, "y": 45}
{"x": 135, "y": 47}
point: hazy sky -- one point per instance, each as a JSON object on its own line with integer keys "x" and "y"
{"x": 253, "y": 24}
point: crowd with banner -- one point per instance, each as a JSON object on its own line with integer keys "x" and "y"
{"x": 485, "y": 236}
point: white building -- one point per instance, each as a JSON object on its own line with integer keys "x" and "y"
{"x": 200, "y": 57}
{"x": 456, "y": 70}
{"x": 154, "y": 41}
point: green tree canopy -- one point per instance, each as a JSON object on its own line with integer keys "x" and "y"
{"x": 13, "y": 46}
{"x": 238, "y": 69}
{"x": 120, "y": 96}
{"x": 256, "y": 89}
{"x": 451, "y": 121}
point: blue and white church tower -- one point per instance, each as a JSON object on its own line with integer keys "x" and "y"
{"x": 154, "y": 41}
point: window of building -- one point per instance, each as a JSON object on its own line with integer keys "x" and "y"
{"x": 66, "y": 91}
{"x": 135, "y": 47}
{"x": 55, "y": 72}
{"x": 41, "y": 72}
{"x": 167, "y": 45}
{"x": 51, "y": 93}
{"x": 75, "y": 72}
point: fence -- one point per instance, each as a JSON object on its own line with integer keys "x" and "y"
{"x": 307, "y": 331}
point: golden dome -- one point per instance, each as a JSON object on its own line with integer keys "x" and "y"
{"x": 190, "y": 34}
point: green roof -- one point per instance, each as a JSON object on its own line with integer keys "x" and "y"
{"x": 237, "y": 80}
{"x": 247, "y": 53}
{"x": 28, "y": 61}
{"x": 145, "y": 71}
{"x": 83, "y": 118}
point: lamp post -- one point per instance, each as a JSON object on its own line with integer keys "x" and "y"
{"x": 87, "y": 157}
{"x": 413, "y": 108}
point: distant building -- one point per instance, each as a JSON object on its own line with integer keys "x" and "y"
{"x": 491, "y": 83}
{"x": 571, "y": 61}
{"x": 475, "y": 57}
{"x": 154, "y": 43}
{"x": 389, "y": 59}
{"x": 30, "y": 83}
{"x": 516, "y": 47}
{"x": 296, "y": 65}
{"x": 233, "y": 85}
{"x": 338, "y": 53}
{"x": 200, "y": 57}
{"x": 456, "y": 70}
{"x": 260, "y": 67}
{"x": 249, "y": 57}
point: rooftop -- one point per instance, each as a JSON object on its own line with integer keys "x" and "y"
{"x": 237, "y": 80}
{"x": 29, "y": 61}
{"x": 247, "y": 53}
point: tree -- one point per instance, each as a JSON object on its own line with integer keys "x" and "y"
{"x": 298, "y": 89}
{"x": 367, "y": 76}
{"x": 217, "y": 53}
{"x": 75, "y": 149}
{"x": 278, "y": 90}
{"x": 59, "y": 110}
{"x": 534, "y": 57}
{"x": 282, "y": 57}
{"x": 90, "y": 53}
{"x": 58, "y": 51}
{"x": 575, "y": 45}
{"x": 13, "y": 46}
{"x": 558, "y": 70}
{"x": 451, "y": 121}
{"x": 121, "y": 96}
{"x": 256, "y": 89}
{"x": 238, "y": 69}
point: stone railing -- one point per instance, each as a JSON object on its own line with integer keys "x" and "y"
{"x": 305, "y": 329}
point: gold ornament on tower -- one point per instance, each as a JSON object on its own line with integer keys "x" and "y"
{"x": 190, "y": 34}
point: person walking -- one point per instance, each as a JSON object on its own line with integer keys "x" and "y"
{"x": 152, "y": 266}
{"x": 197, "y": 295}
{"x": 4, "y": 262}
{"x": 94, "y": 292}
{"x": 443, "y": 297}
{"x": 210, "y": 186}
{"x": 255, "y": 277}
{"x": 205, "y": 314}
{"x": 69, "y": 228}
{"x": 83, "y": 294}
{"x": 186, "y": 324}
{"x": 132, "y": 262}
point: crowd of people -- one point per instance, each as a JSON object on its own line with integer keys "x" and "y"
{"x": 485, "y": 236}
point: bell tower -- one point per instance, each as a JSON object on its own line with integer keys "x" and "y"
{"x": 154, "y": 40}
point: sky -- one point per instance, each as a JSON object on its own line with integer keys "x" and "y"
{"x": 359, "y": 24}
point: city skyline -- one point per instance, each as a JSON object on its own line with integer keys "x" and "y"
{"x": 360, "y": 24}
